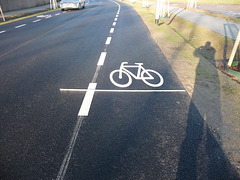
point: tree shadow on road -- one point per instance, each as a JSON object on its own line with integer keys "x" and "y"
{"x": 201, "y": 154}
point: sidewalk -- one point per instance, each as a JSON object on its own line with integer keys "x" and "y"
{"x": 25, "y": 11}
{"x": 223, "y": 27}
{"x": 220, "y": 26}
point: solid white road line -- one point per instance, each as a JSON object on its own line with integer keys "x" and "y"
{"x": 102, "y": 58}
{"x": 37, "y": 20}
{"x": 2, "y": 32}
{"x": 108, "y": 41}
{"x": 122, "y": 91}
{"x": 114, "y": 23}
{"x": 20, "y": 26}
{"x": 87, "y": 101}
{"x": 112, "y": 30}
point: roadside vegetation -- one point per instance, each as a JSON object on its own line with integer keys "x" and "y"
{"x": 198, "y": 57}
{"x": 191, "y": 33}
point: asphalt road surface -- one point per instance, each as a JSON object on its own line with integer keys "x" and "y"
{"x": 63, "y": 117}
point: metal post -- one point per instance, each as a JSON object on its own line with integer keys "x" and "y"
{"x": 157, "y": 13}
{"x": 168, "y": 9}
{"x": 2, "y": 13}
{"x": 234, "y": 50}
{"x": 56, "y": 5}
{"x": 50, "y": 4}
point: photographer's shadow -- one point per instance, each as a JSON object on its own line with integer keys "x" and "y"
{"x": 201, "y": 155}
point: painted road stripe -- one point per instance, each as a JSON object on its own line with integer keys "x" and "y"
{"x": 102, "y": 58}
{"x": 122, "y": 91}
{"x": 114, "y": 23}
{"x": 116, "y": 15}
{"x": 37, "y": 20}
{"x": 71, "y": 145}
{"x": 87, "y": 101}
{"x": 20, "y": 26}
{"x": 112, "y": 30}
{"x": 108, "y": 41}
{"x": 115, "y": 19}
{"x": 2, "y": 32}
{"x": 57, "y": 14}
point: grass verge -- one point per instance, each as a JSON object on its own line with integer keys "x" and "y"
{"x": 194, "y": 52}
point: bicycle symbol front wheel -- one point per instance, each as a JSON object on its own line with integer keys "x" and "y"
{"x": 155, "y": 79}
{"x": 123, "y": 82}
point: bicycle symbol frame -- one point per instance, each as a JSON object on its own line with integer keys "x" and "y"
{"x": 142, "y": 74}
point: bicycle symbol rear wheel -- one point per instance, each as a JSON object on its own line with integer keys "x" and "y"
{"x": 125, "y": 81}
{"x": 155, "y": 81}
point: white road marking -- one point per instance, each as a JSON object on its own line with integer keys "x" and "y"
{"x": 2, "y": 32}
{"x": 122, "y": 91}
{"x": 114, "y": 23}
{"x": 40, "y": 16}
{"x": 49, "y": 16}
{"x": 108, "y": 41}
{"x": 87, "y": 101}
{"x": 37, "y": 20}
{"x": 115, "y": 19}
{"x": 57, "y": 14}
{"x": 82, "y": 112}
{"x": 102, "y": 58}
{"x": 112, "y": 30}
{"x": 116, "y": 15}
{"x": 68, "y": 155}
{"x": 20, "y": 26}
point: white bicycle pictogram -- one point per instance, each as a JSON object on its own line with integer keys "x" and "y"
{"x": 148, "y": 76}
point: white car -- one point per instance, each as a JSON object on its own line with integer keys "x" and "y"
{"x": 72, "y": 4}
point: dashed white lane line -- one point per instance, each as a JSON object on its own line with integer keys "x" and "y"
{"x": 84, "y": 110}
{"x": 20, "y": 26}
{"x": 87, "y": 101}
{"x": 116, "y": 15}
{"x": 115, "y": 19}
{"x": 102, "y": 58}
{"x": 114, "y": 23}
{"x": 2, "y": 32}
{"x": 108, "y": 41}
{"x": 57, "y": 14}
{"x": 37, "y": 20}
{"x": 112, "y": 30}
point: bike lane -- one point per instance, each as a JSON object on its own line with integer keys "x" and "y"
{"x": 132, "y": 134}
